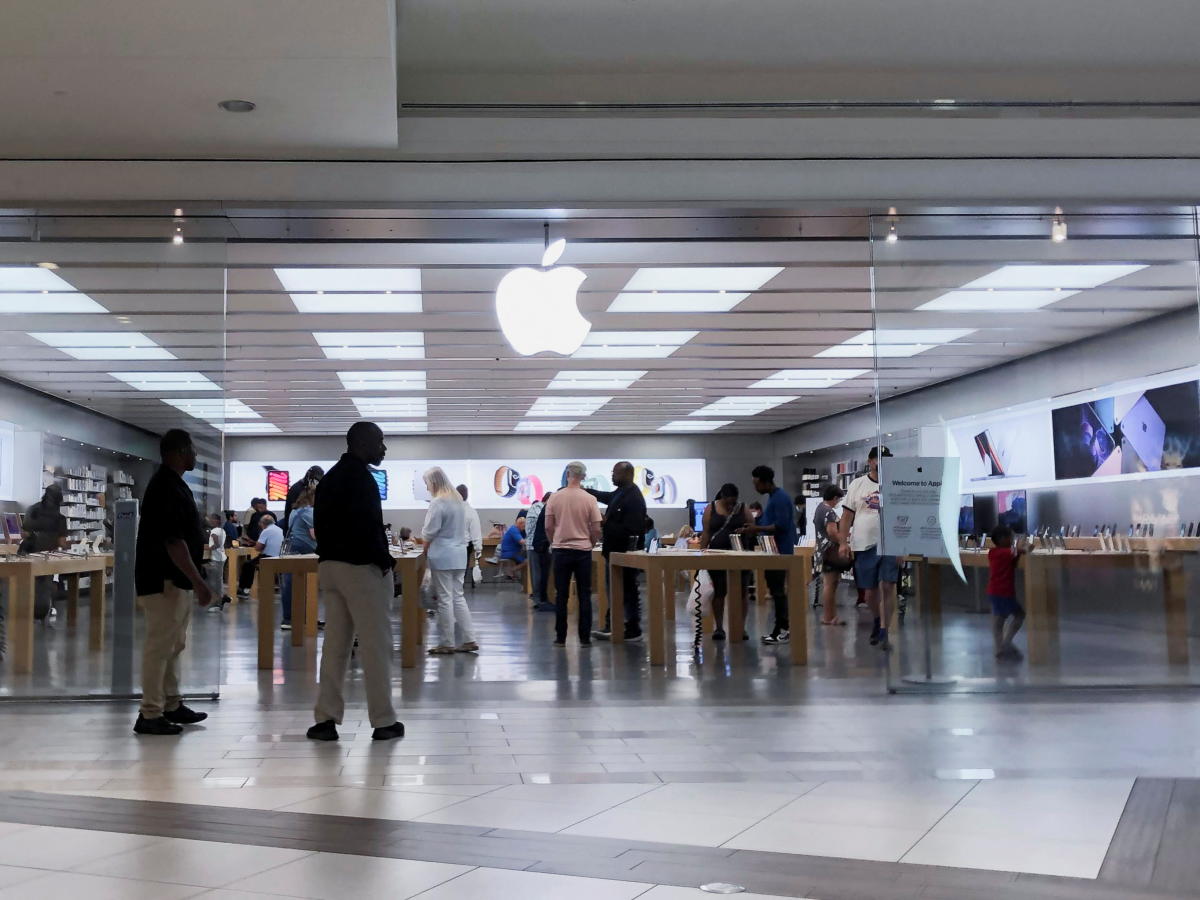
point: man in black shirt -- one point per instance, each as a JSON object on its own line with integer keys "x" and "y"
{"x": 356, "y": 586}
{"x": 167, "y": 561}
{"x": 45, "y": 529}
{"x": 622, "y": 530}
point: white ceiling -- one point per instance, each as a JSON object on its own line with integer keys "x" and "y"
{"x": 264, "y": 354}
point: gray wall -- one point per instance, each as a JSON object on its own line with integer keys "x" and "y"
{"x": 727, "y": 457}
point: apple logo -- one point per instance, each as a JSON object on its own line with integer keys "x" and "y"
{"x": 538, "y": 308}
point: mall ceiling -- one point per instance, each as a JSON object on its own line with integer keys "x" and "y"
{"x": 430, "y": 356}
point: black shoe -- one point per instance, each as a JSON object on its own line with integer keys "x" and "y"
{"x": 155, "y": 726}
{"x": 718, "y": 635}
{"x": 320, "y": 625}
{"x": 181, "y": 715}
{"x": 585, "y": 643}
{"x": 323, "y": 731}
{"x": 387, "y": 732}
{"x": 882, "y": 640}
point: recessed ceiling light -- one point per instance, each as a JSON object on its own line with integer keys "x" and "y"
{"x": 691, "y": 288}
{"x": 348, "y": 290}
{"x": 372, "y": 344}
{"x": 742, "y": 406}
{"x": 896, "y": 342}
{"x": 399, "y": 407}
{"x": 402, "y": 427}
{"x": 36, "y": 289}
{"x": 1017, "y": 288}
{"x": 246, "y": 427}
{"x": 595, "y": 380}
{"x": 566, "y": 406}
{"x": 383, "y": 381}
{"x": 166, "y": 381}
{"x": 213, "y": 409}
{"x": 97, "y": 345}
{"x": 632, "y": 344}
{"x": 238, "y": 106}
{"x": 545, "y": 425}
{"x": 791, "y": 379}
{"x": 696, "y": 424}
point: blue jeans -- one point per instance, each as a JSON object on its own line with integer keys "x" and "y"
{"x": 870, "y": 568}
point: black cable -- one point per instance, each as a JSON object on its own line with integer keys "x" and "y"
{"x": 699, "y": 613}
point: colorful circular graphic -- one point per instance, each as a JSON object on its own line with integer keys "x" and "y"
{"x": 529, "y": 490}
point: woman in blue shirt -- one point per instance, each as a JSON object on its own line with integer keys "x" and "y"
{"x": 301, "y": 539}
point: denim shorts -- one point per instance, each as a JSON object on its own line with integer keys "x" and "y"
{"x": 1005, "y": 606}
{"x": 870, "y": 568}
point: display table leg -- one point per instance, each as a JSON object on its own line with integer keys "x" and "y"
{"x": 656, "y": 614}
{"x": 1042, "y": 611}
{"x": 600, "y": 589}
{"x": 21, "y": 622}
{"x": 72, "y": 599}
{"x": 797, "y": 598}
{"x": 300, "y": 623}
{"x": 312, "y": 591}
{"x": 97, "y": 608}
{"x": 411, "y": 645}
{"x": 266, "y": 623}
{"x": 1175, "y": 607}
{"x": 735, "y": 608}
{"x": 617, "y": 603}
{"x": 233, "y": 561}
{"x": 670, "y": 579}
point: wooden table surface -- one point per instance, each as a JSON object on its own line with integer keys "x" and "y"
{"x": 21, "y": 572}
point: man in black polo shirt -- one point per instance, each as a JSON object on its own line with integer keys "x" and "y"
{"x": 356, "y": 586}
{"x": 622, "y": 530}
{"x": 169, "y": 554}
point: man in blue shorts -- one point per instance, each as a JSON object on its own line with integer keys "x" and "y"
{"x": 859, "y": 530}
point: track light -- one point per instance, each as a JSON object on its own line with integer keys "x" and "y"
{"x": 1058, "y": 227}
{"x": 177, "y": 239}
{"x": 892, "y": 236}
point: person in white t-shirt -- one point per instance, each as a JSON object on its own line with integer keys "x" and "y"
{"x": 216, "y": 561}
{"x": 858, "y": 531}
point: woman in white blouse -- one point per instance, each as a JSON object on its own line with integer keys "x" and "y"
{"x": 445, "y": 534}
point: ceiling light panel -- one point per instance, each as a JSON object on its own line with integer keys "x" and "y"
{"x": 383, "y": 381}
{"x": 103, "y": 344}
{"x": 595, "y": 380}
{"x": 247, "y": 427}
{"x": 400, "y": 407}
{"x": 797, "y": 379}
{"x": 353, "y": 290}
{"x": 691, "y": 289}
{"x": 632, "y": 344}
{"x": 696, "y": 425}
{"x": 555, "y": 425}
{"x": 372, "y": 344}
{"x": 33, "y": 289}
{"x": 566, "y": 406}
{"x": 403, "y": 427}
{"x": 1018, "y": 288}
{"x": 166, "y": 381}
{"x": 212, "y": 409}
{"x": 896, "y": 342}
{"x": 742, "y": 406}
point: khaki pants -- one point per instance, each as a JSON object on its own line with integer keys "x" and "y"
{"x": 167, "y": 617}
{"x": 357, "y": 599}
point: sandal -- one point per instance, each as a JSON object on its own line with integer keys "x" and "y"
{"x": 441, "y": 651}
{"x": 469, "y": 647}
{"x": 834, "y": 622}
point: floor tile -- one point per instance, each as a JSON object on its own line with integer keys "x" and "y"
{"x": 336, "y": 876}
{"x": 370, "y": 803}
{"x": 223, "y": 894}
{"x": 658, "y": 825}
{"x": 826, "y": 839}
{"x": 739, "y": 800}
{"x": 519, "y": 814}
{"x": 10, "y": 875}
{"x": 1034, "y": 855}
{"x": 671, "y": 892}
{"x": 600, "y": 796}
{"x": 95, "y": 887}
{"x": 202, "y": 863}
{"x": 498, "y": 883}
{"x": 241, "y": 798}
{"x": 64, "y": 848}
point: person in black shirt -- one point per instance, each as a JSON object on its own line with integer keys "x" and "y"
{"x": 622, "y": 530}
{"x": 167, "y": 561}
{"x": 233, "y": 531}
{"x": 45, "y": 529}
{"x": 311, "y": 478}
{"x": 356, "y": 586}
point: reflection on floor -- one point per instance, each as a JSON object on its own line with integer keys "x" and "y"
{"x": 796, "y": 780}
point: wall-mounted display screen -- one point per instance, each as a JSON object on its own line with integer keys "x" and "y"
{"x": 1012, "y": 510}
{"x": 1002, "y": 448}
{"x": 966, "y": 514}
{"x": 278, "y": 482}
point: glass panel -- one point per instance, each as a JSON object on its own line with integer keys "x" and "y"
{"x": 1052, "y": 361}
{"x": 107, "y": 344}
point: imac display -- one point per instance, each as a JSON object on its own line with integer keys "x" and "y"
{"x": 1013, "y": 510}
{"x": 966, "y": 514}
{"x": 984, "y": 512}
{"x": 696, "y": 516}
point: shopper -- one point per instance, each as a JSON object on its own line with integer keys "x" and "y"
{"x": 251, "y": 531}
{"x": 233, "y": 530}
{"x": 512, "y": 547}
{"x": 650, "y": 531}
{"x": 573, "y": 527}
{"x": 858, "y": 535}
{"x": 539, "y": 548}
{"x": 215, "y": 571}
{"x": 725, "y": 516}
{"x": 474, "y": 533}
{"x": 309, "y": 483}
{"x": 356, "y": 586}
{"x": 301, "y": 538}
{"x": 1007, "y": 614}
{"x": 621, "y": 531}
{"x": 445, "y": 536}
{"x": 168, "y": 558}
{"x": 825, "y": 528}
{"x": 776, "y": 520}
{"x": 532, "y": 516}
{"x": 45, "y": 529}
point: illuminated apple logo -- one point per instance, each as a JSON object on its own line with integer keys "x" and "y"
{"x": 538, "y": 308}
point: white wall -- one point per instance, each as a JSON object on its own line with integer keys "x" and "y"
{"x": 727, "y": 458}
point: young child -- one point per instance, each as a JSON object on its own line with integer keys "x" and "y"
{"x": 1007, "y": 614}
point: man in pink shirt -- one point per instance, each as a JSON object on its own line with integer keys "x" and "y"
{"x": 573, "y": 528}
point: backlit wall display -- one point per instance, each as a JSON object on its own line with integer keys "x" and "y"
{"x": 493, "y": 484}
{"x": 998, "y": 449}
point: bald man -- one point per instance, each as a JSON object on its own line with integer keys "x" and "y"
{"x": 622, "y": 530}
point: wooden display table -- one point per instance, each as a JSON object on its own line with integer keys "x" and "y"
{"x": 661, "y": 569}
{"x": 21, "y": 572}
{"x": 235, "y": 555}
{"x": 1040, "y": 572}
{"x": 304, "y": 570}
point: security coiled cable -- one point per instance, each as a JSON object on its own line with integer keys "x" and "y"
{"x": 699, "y": 611}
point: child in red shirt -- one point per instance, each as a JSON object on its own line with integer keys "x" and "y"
{"x": 1007, "y": 614}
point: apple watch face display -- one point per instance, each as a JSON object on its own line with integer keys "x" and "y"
{"x": 529, "y": 490}
{"x": 505, "y": 481}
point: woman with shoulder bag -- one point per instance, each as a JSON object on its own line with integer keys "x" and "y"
{"x": 724, "y": 516}
{"x": 832, "y": 561}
